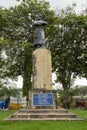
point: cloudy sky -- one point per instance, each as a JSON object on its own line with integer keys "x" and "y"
{"x": 54, "y": 3}
{"x": 64, "y": 3}
{"x": 81, "y": 4}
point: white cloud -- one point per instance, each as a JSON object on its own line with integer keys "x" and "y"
{"x": 64, "y": 3}
{"x": 20, "y": 82}
{"x": 82, "y": 81}
{"x": 8, "y": 3}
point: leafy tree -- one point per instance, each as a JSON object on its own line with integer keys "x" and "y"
{"x": 66, "y": 38}
{"x": 3, "y": 20}
{"x": 82, "y": 90}
{"x": 69, "y": 47}
{"x": 4, "y": 91}
{"x": 27, "y": 71}
{"x": 14, "y": 91}
{"x": 20, "y": 33}
{"x": 7, "y": 92}
{"x": 66, "y": 97}
{"x": 3, "y": 45}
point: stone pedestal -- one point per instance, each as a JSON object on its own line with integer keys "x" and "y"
{"x": 42, "y": 91}
{"x": 42, "y": 70}
{"x": 42, "y": 80}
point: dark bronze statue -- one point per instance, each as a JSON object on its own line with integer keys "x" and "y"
{"x": 39, "y": 35}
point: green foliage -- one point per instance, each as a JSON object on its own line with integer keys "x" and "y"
{"x": 82, "y": 90}
{"x": 69, "y": 49}
{"x": 27, "y": 84}
{"x": 5, "y": 44}
{"x": 14, "y": 92}
{"x": 20, "y": 32}
{"x": 66, "y": 38}
{"x": 4, "y": 92}
{"x": 66, "y": 97}
{"x": 7, "y": 92}
{"x": 3, "y": 20}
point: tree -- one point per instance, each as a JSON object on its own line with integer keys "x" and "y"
{"x": 20, "y": 32}
{"x": 3, "y": 21}
{"x": 3, "y": 45}
{"x": 68, "y": 47}
{"x": 82, "y": 91}
{"x": 27, "y": 84}
{"x": 4, "y": 91}
{"x": 66, "y": 97}
{"x": 66, "y": 38}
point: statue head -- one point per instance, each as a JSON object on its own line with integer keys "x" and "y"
{"x": 39, "y": 17}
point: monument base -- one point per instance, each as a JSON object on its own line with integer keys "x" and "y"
{"x": 42, "y": 99}
{"x": 26, "y": 114}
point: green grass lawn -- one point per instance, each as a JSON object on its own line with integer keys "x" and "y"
{"x": 44, "y": 125}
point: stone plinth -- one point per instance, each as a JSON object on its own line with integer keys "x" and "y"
{"x": 27, "y": 114}
{"x": 42, "y": 70}
{"x": 42, "y": 91}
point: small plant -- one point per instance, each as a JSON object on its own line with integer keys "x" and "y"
{"x": 66, "y": 97}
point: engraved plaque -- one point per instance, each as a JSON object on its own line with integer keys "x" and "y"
{"x": 45, "y": 99}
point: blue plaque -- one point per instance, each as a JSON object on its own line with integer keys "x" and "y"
{"x": 45, "y": 99}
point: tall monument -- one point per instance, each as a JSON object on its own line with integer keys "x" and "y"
{"x": 42, "y": 94}
{"x": 41, "y": 97}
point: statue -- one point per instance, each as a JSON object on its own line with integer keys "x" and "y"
{"x": 39, "y": 36}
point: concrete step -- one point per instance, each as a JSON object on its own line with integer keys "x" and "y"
{"x": 44, "y": 119}
{"x": 43, "y": 111}
{"x": 42, "y": 114}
